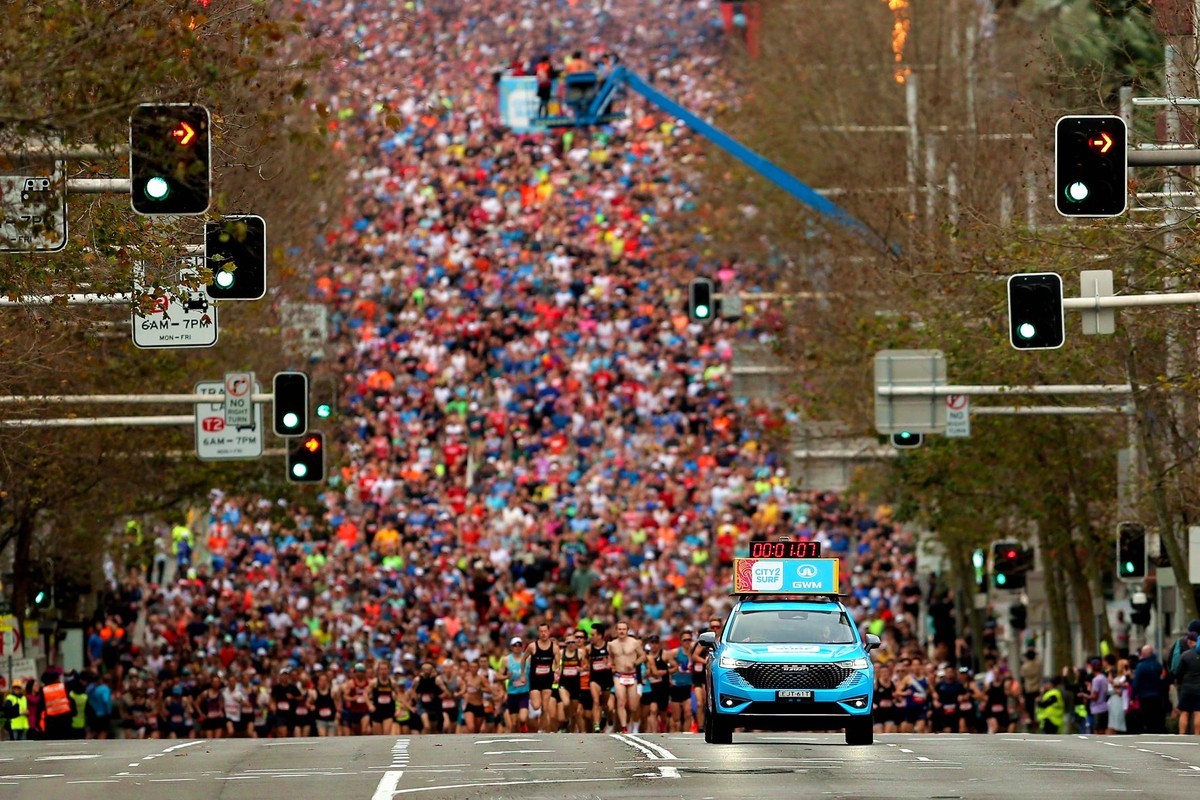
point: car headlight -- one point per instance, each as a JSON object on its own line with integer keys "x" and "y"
{"x": 855, "y": 663}
{"x": 729, "y": 662}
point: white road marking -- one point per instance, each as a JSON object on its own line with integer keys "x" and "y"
{"x": 391, "y": 779}
{"x": 109, "y": 780}
{"x": 182, "y": 745}
{"x": 669, "y": 772}
{"x": 499, "y": 783}
{"x": 905, "y": 750}
{"x": 135, "y": 764}
{"x": 289, "y": 769}
{"x": 18, "y": 777}
{"x": 1059, "y": 769}
{"x": 922, "y": 758}
{"x": 636, "y": 745}
{"x": 513, "y": 752}
{"x": 284, "y": 744}
{"x": 171, "y": 780}
{"x": 662, "y": 751}
{"x": 494, "y": 768}
{"x": 73, "y": 757}
{"x": 1114, "y": 744}
{"x": 1170, "y": 744}
{"x": 498, "y": 741}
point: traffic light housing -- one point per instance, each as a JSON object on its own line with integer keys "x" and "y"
{"x": 170, "y": 159}
{"x": 1131, "y": 552}
{"x": 1010, "y": 563}
{"x": 306, "y": 459}
{"x": 235, "y": 251}
{"x": 1090, "y": 163}
{"x": 1035, "y": 311}
{"x": 700, "y": 300}
{"x": 1140, "y": 604}
{"x": 289, "y": 405}
{"x": 905, "y": 440}
{"x": 1018, "y": 616}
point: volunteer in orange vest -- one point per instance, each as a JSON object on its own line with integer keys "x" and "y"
{"x": 57, "y": 707}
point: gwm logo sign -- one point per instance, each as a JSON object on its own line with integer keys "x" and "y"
{"x": 807, "y": 571}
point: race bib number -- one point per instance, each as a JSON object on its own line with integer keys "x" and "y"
{"x": 325, "y": 712}
{"x": 570, "y": 672}
{"x": 447, "y": 704}
{"x": 301, "y": 712}
{"x": 885, "y": 703}
{"x": 600, "y": 666}
{"x": 385, "y": 698}
{"x": 997, "y": 709}
{"x": 426, "y": 698}
{"x": 627, "y": 680}
{"x": 541, "y": 670}
{"x": 283, "y": 705}
{"x": 965, "y": 706}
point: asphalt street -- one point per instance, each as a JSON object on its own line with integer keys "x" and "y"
{"x": 565, "y": 766}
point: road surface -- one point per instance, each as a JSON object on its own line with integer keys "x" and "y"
{"x": 567, "y": 766}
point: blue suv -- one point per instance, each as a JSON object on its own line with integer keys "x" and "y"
{"x": 790, "y": 664}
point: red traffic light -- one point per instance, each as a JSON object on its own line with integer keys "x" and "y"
{"x": 1011, "y": 554}
{"x": 312, "y": 444}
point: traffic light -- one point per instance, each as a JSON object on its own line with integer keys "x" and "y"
{"x": 1009, "y": 565}
{"x": 1018, "y": 616}
{"x": 700, "y": 300}
{"x": 979, "y": 563}
{"x": 235, "y": 250}
{"x": 170, "y": 157}
{"x": 306, "y": 459}
{"x": 1090, "y": 163}
{"x": 1141, "y": 609}
{"x": 905, "y": 440}
{"x": 1131, "y": 552}
{"x": 326, "y": 396}
{"x": 1035, "y": 311}
{"x": 290, "y": 403}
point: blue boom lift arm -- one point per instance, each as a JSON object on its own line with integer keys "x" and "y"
{"x": 593, "y": 107}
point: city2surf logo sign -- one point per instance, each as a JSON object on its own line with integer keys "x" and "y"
{"x": 785, "y": 576}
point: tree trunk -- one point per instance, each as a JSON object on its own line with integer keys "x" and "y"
{"x": 23, "y": 525}
{"x": 1056, "y": 602}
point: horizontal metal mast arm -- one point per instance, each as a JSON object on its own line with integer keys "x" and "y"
{"x": 71, "y": 399}
{"x": 942, "y": 391}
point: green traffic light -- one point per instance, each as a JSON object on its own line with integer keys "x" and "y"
{"x": 157, "y": 188}
{"x": 39, "y": 598}
{"x": 299, "y": 470}
{"x": 1128, "y": 567}
{"x": 324, "y": 411}
{"x": 291, "y": 420}
{"x": 1026, "y": 330}
{"x": 1077, "y": 192}
{"x": 702, "y": 312}
{"x": 1001, "y": 579}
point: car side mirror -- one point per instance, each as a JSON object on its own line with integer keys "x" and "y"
{"x": 872, "y": 642}
{"x": 708, "y": 639}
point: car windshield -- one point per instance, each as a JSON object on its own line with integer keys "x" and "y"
{"x": 791, "y": 626}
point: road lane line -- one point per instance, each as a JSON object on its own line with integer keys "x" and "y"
{"x": 498, "y": 741}
{"x": 905, "y": 750}
{"x": 653, "y": 756}
{"x": 923, "y": 758}
{"x": 501, "y": 783}
{"x": 74, "y": 757}
{"x": 107, "y": 780}
{"x": 513, "y": 752}
{"x": 182, "y": 745}
{"x": 170, "y": 780}
{"x": 662, "y": 751}
{"x": 387, "y": 785}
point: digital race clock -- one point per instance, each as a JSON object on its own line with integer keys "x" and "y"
{"x": 785, "y": 550}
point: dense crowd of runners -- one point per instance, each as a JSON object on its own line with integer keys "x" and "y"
{"x": 544, "y": 476}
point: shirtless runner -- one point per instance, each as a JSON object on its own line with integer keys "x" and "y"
{"x": 627, "y": 653}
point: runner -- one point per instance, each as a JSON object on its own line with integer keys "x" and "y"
{"x": 326, "y": 705}
{"x": 627, "y": 655}
{"x": 600, "y": 677}
{"x": 383, "y": 700}
{"x": 657, "y": 669}
{"x": 679, "y": 662}
{"x": 574, "y": 691}
{"x": 515, "y": 674}
{"x": 700, "y": 655}
{"x": 430, "y": 689}
{"x": 475, "y": 684}
{"x": 541, "y": 660}
{"x": 356, "y": 702}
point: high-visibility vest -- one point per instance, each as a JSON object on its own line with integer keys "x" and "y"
{"x": 21, "y": 721}
{"x": 1052, "y": 708}
{"x": 57, "y": 702}
{"x": 79, "y": 721}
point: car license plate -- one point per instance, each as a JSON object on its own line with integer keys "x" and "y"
{"x": 793, "y": 694}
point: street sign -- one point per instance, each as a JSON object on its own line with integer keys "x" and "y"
{"x": 305, "y": 329}
{"x": 239, "y": 411}
{"x": 958, "y": 416}
{"x": 915, "y": 414}
{"x": 180, "y": 317}
{"x": 216, "y": 439}
{"x": 33, "y": 208}
{"x": 1097, "y": 283}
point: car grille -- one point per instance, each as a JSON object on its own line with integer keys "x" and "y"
{"x": 784, "y": 709}
{"x": 786, "y": 676}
